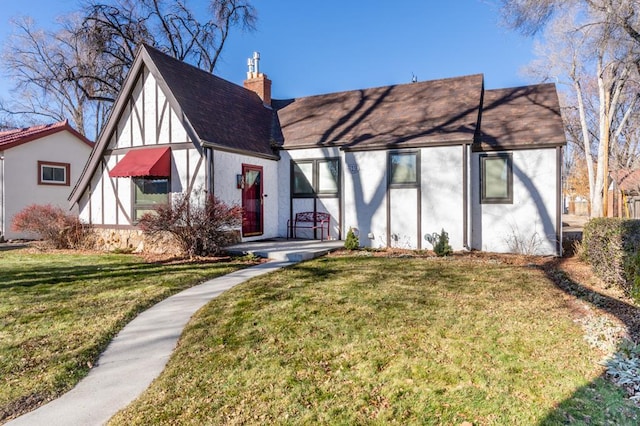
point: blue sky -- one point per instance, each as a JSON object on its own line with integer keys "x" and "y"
{"x": 333, "y": 45}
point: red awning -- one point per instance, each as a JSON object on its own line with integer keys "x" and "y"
{"x": 144, "y": 162}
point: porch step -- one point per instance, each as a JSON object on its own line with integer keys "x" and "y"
{"x": 286, "y": 250}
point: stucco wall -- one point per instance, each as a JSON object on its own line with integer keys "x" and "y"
{"x": 530, "y": 221}
{"x": 21, "y": 173}
{"x": 227, "y": 166}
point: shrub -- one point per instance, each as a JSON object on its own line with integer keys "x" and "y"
{"x": 53, "y": 225}
{"x": 351, "y": 242}
{"x": 201, "y": 229}
{"x": 611, "y": 246}
{"x": 440, "y": 243}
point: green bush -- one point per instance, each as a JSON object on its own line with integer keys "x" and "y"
{"x": 440, "y": 243}
{"x": 352, "y": 242}
{"x": 612, "y": 246}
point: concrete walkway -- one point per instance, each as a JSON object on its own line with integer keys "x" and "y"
{"x": 136, "y": 356}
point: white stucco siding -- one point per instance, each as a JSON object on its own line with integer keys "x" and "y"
{"x": 403, "y": 217}
{"x": 529, "y": 223}
{"x": 226, "y": 166}
{"x": 365, "y": 196}
{"x": 150, "y": 109}
{"x": 442, "y": 194}
{"x": 21, "y": 172}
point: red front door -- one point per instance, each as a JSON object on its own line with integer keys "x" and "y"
{"x": 252, "y": 208}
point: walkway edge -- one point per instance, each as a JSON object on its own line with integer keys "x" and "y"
{"x": 136, "y": 356}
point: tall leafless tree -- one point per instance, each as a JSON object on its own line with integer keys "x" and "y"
{"x": 77, "y": 70}
{"x": 591, "y": 46}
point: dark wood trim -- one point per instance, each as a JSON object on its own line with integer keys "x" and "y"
{"x": 103, "y": 166}
{"x": 67, "y": 173}
{"x": 174, "y": 147}
{"x": 465, "y": 196}
{"x": 559, "y": 201}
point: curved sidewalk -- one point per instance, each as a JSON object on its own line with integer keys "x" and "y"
{"x": 136, "y": 356}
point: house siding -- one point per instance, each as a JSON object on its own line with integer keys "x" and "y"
{"x": 21, "y": 172}
{"x": 146, "y": 120}
{"x": 227, "y": 165}
{"x": 532, "y": 217}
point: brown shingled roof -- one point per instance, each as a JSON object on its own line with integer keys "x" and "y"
{"x": 416, "y": 114}
{"x": 521, "y": 117}
{"x": 220, "y": 112}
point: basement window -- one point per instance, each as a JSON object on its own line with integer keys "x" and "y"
{"x": 496, "y": 178}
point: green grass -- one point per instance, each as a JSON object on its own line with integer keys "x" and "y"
{"x": 354, "y": 340}
{"x": 59, "y": 311}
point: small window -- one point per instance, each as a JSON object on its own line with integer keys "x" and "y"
{"x": 403, "y": 168}
{"x": 496, "y": 177}
{"x": 149, "y": 194}
{"x": 315, "y": 178}
{"x": 53, "y": 173}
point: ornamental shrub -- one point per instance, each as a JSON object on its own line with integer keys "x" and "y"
{"x": 612, "y": 246}
{"x": 351, "y": 242}
{"x": 53, "y": 225}
{"x": 441, "y": 245}
{"x": 201, "y": 229}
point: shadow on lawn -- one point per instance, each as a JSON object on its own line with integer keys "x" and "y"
{"x": 62, "y": 274}
{"x": 568, "y": 411}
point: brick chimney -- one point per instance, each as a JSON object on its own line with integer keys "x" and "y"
{"x": 257, "y": 81}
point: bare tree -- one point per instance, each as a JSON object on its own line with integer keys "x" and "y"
{"x": 77, "y": 71}
{"x": 589, "y": 50}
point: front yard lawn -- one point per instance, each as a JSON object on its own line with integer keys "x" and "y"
{"x": 59, "y": 311}
{"x": 359, "y": 340}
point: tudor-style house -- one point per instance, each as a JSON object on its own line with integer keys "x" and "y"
{"x": 397, "y": 163}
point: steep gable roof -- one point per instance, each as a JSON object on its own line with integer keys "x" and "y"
{"x": 221, "y": 113}
{"x": 15, "y": 137}
{"x": 433, "y": 112}
{"x": 521, "y": 117}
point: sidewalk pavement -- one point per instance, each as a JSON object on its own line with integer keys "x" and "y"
{"x": 136, "y": 356}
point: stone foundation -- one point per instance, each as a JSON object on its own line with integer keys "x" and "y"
{"x": 135, "y": 241}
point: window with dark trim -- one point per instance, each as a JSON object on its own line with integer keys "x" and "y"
{"x": 404, "y": 169}
{"x": 496, "y": 178}
{"x": 311, "y": 178}
{"x": 50, "y": 173}
{"x": 149, "y": 193}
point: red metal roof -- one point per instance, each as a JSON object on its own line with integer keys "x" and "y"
{"x": 144, "y": 162}
{"x": 14, "y": 137}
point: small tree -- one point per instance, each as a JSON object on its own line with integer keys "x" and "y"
{"x": 352, "y": 242}
{"x": 440, "y": 243}
{"x": 53, "y": 225}
{"x": 201, "y": 229}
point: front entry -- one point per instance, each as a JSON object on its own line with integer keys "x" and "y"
{"x": 252, "y": 208}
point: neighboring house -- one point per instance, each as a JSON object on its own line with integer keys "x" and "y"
{"x": 624, "y": 194}
{"x": 38, "y": 165}
{"x": 396, "y": 163}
